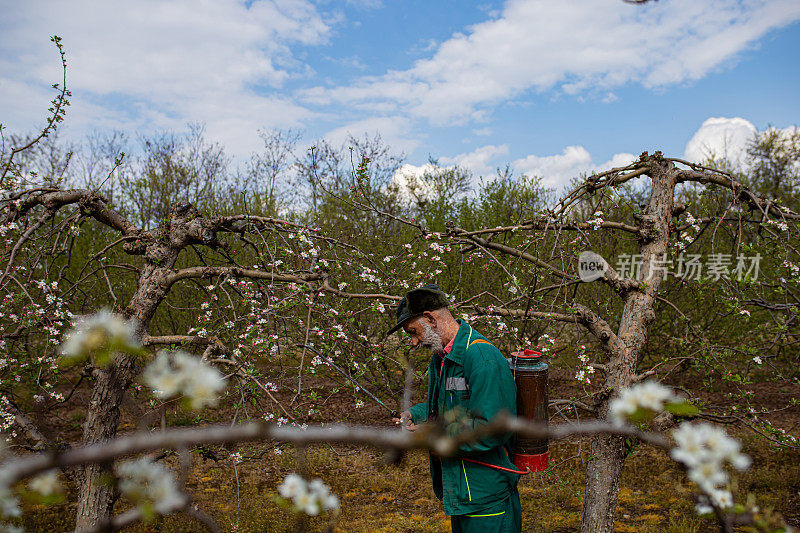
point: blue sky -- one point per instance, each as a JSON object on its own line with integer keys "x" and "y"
{"x": 552, "y": 87}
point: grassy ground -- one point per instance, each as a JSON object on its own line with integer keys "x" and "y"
{"x": 654, "y": 497}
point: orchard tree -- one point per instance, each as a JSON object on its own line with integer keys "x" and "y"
{"x": 69, "y": 251}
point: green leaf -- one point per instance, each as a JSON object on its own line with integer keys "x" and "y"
{"x": 148, "y": 511}
{"x": 681, "y": 408}
{"x": 641, "y": 415}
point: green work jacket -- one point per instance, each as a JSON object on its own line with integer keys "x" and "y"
{"x": 475, "y": 381}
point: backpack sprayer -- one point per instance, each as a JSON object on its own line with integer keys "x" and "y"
{"x": 530, "y": 375}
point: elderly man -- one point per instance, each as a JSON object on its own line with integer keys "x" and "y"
{"x": 469, "y": 382}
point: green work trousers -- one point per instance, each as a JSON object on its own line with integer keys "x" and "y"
{"x": 504, "y": 518}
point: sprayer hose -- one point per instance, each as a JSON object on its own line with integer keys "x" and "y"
{"x": 496, "y": 467}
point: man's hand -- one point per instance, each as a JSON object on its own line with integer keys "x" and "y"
{"x": 406, "y": 422}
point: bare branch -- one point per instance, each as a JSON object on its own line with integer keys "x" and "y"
{"x": 741, "y": 192}
{"x": 521, "y": 313}
{"x": 214, "y": 271}
{"x": 147, "y": 340}
{"x": 550, "y": 226}
{"x": 512, "y": 251}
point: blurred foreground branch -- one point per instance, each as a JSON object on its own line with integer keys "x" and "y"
{"x": 430, "y": 436}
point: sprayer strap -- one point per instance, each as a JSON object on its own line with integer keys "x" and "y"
{"x": 478, "y": 341}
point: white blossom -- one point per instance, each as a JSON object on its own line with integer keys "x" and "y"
{"x": 647, "y": 395}
{"x": 46, "y": 484}
{"x": 652, "y": 395}
{"x": 703, "y": 508}
{"x": 719, "y": 444}
{"x": 330, "y": 502}
{"x": 722, "y": 499}
{"x": 176, "y": 373}
{"x": 740, "y": 462}
{"x": 308, "y": 497}
{"x": 144, "y": 481}
{"x": 97, "y": 332}
{"x": 308, "y": 503}
{"x": 292, "y": 485}
{"x": 704, "y": 448}
{"x": 318, "y": 487}
{"x": 203, "y": 387}
{"x": 161, "y": 378}
{"x": 708, "y": 475}
{"x": 690, "y": 449}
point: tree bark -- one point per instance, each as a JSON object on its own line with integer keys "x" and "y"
{"x": 97, "y": 493}
{"x": 608, "y": 453}
{"x": 602, "y": 483}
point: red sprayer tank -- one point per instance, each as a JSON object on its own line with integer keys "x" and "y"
{"x": 530, "y": 375}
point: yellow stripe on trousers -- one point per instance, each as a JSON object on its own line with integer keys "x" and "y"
{"x": 482, "y": 515}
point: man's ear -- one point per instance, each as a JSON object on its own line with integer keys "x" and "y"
{"x": 430, "y": 317}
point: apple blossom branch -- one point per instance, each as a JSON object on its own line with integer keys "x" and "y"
{"x": 430, "y": 437}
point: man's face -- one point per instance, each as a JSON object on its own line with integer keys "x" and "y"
{"x": 422, "y": 330}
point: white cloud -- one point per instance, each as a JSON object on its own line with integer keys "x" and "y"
{"x": 617, "y": 161}
{"x": 720, "y": 137}
{"x": 479, "y": 161}
{"x": 394, "y": 131}
{"x": 366, "y": 4}
{"x": 577, "y": 46}
{"x": 557, "y": 170}
{"x": 154, "y": 63}
{"x": 408, "y": 179}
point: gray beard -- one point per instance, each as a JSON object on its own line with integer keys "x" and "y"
{"x": 432, "y": 340}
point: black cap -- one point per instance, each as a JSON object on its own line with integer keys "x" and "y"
{"x": 416, "y": 302}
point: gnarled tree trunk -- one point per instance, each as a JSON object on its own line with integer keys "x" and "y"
{"x": 608, "y": 453}
{"x": 602, "y": 483}
{"x": 96, "y": 497}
